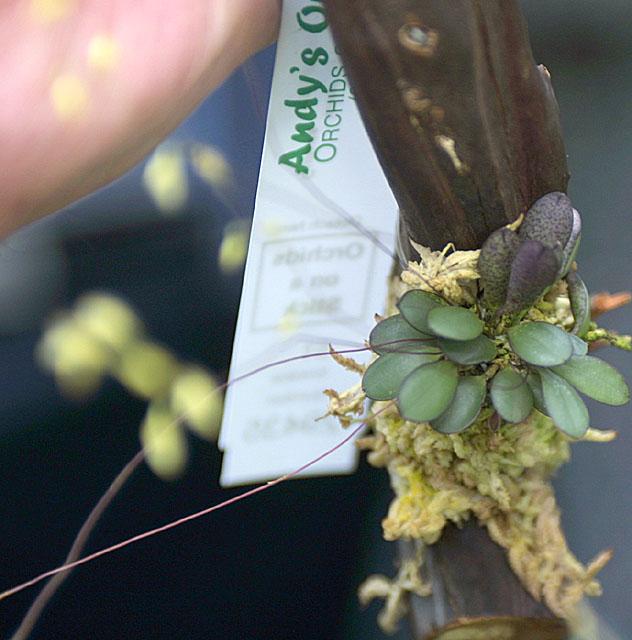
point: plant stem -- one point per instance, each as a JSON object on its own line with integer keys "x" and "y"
{"x": 39, "y": 604}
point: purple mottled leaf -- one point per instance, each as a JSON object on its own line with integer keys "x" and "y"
{"x": 549, "y": 221}
{"x": 570, "y": 250}
{"x": 494, "y": 265}
{"x": 534, "y": 268}
{"x": 580, "y": 303}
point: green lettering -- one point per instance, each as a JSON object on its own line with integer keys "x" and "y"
{"x": 313, "y": 26}
{"x": 313, "y": 84}
{"x": 304, "y": 109}
{"x": 310, "y": 57}
{"x": 302, "y": 134}
{"x": 294, "y": 159}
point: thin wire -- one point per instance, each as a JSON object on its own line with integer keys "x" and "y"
{"x": 180, "y": 521}
{"x": 39, "y": 604}
{"x": 249, "y": 72}
{"x": 318, "y": 193}
{"x": 81, "y": 539}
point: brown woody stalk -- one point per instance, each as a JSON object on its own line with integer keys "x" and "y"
{"x": 467, "y": 130}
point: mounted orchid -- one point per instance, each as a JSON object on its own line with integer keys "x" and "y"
{"x": 443, "y": 363}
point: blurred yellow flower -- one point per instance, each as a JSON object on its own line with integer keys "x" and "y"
{"x": 210, "y": 164}
{"x": 109, "y": 319}
{"x": 165, "y": 179}
{"x": 78, "y": 360}
{"x": 164, "y": 442}
{"x": 147, "y": 370}
{"x": 103, "y": 336}
{"x": 196, "y": 399}
{"x": 234, "y": 246}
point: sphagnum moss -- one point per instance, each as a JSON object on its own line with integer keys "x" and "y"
{"x": 500, "y": 476}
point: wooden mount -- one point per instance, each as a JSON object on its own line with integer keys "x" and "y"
{"x": 467, "y": 130}
{"x": 466, "y": 126}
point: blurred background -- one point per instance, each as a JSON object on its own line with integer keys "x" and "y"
{"x": 287, "y": 563}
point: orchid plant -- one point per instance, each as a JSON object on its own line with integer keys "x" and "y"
{"x": 443, "y": 363}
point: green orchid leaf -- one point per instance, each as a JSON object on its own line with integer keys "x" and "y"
{"x": 494, "y": 265}
{"x": 535, "y": 384}
{"x": 596, "y": 379}
{"x": 563, "y": 405}
{"x": 395, "y": 335}
{"x": 481, "y": 349}
{"x": 454, "y": 323}
{"x": 511, "y": 395}
{"x": 384, "y": 376}
{"x": 580, "y": 303}
{"x": 465, "y": 406}
{"x": 540, "y": 343}
{"x": 428, "y": 391}
{"x": 415, "y": 305}
{"x": 580, "y": 347}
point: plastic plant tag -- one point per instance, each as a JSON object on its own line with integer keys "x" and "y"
{"x": 317, "y": 266}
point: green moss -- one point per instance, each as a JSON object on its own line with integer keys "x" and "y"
{"x": 499, "y": 474}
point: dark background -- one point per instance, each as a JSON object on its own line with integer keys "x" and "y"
{"x": 286, "y": 563}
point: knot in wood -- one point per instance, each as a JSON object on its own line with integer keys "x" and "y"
{"x": 419, "y": 39}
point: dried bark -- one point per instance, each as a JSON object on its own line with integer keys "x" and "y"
{"x": 466, "y": 126}
{"x": 467, "y": 130}
{"x": 474, "y": 587}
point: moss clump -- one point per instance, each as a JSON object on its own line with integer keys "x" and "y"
{"x": 499, "y": 477}
{"x": 495, "y": 471}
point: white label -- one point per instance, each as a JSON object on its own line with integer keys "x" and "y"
{"x": 316, "y": 271}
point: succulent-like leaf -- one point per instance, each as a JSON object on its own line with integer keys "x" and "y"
{"x": 580, "y": 347}
{"x": 494, "y": 265}
{"x": 428, "y": 391}
{"x": 580, "y": 302}
{"x": 384, "y": 376}
{"x": 454, "y": 323}
{"x": 572, "y": 246}
{"x": 540, "y": 343}
{"x": 534, "y": 269}
{"x": 415, "y": 305}
{"x": 563, "y": 405}
{"x": 595, "y": 379}
{"x": 511, "y": 395}
{"x": 395, "y": 335}
{"x": 481, "y": 349}
{"x": 535, "y": 384}
{"x": 465, "y": 406}
{"x": 549, "y": 220}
